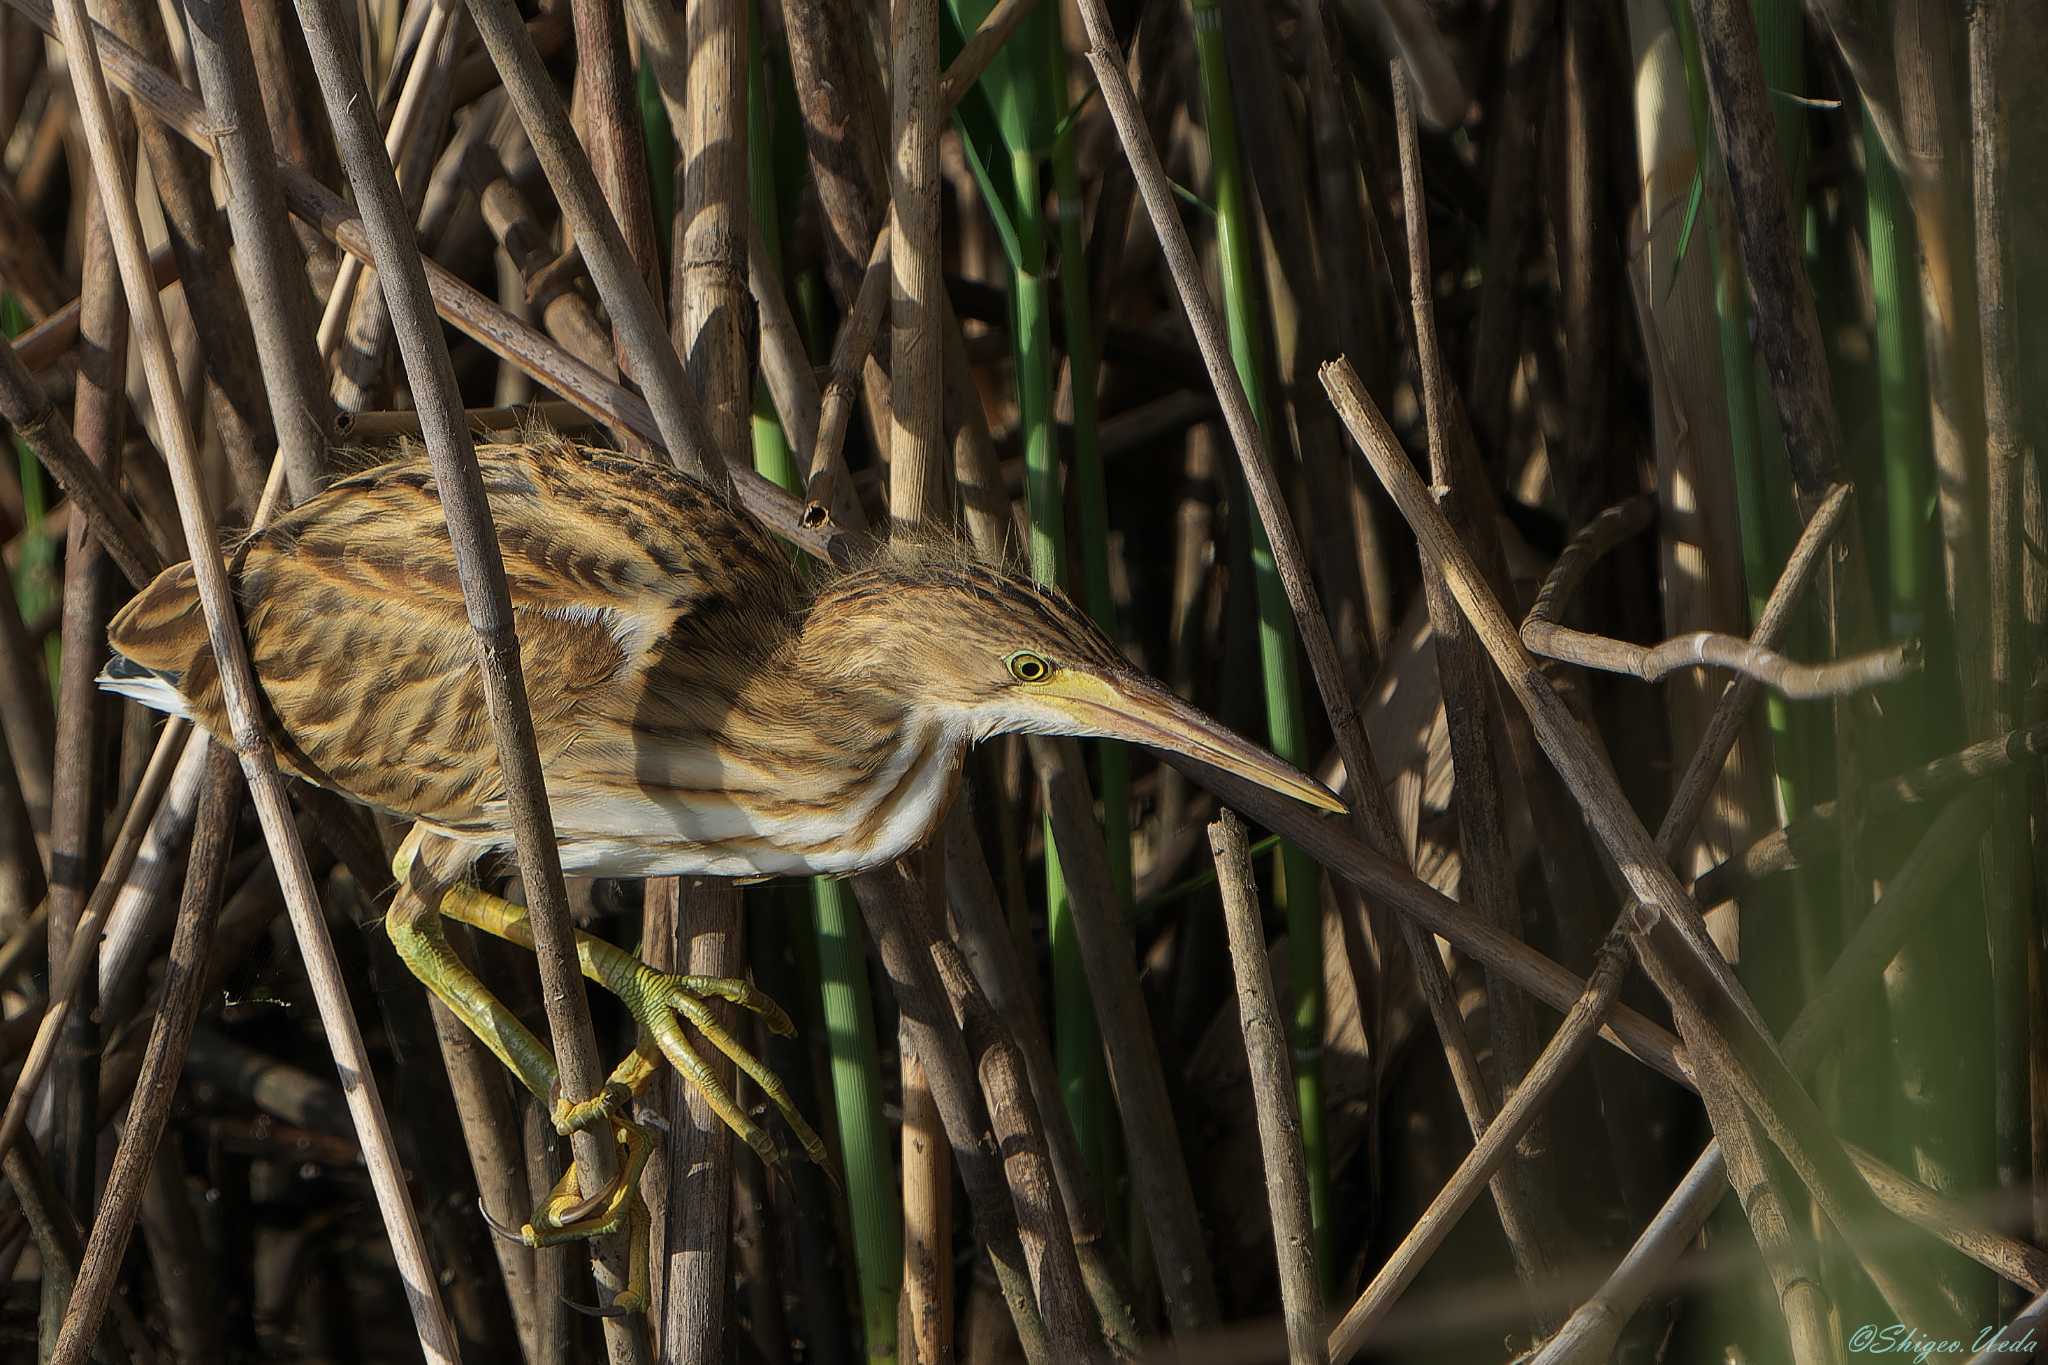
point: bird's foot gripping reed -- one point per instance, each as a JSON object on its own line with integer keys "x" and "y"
{"x": 657, "y": 1000}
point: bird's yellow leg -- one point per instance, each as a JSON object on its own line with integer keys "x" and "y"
{"x": 567, "y": 1214}
{"x": 655, "y": 999}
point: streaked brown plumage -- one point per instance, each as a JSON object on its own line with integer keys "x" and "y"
{"x": 698, "y": 710}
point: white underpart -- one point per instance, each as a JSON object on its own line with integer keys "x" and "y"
{"x": 656, "y": 831}
{"x": 630, "y": 633}
{"x": 151, "y": 691}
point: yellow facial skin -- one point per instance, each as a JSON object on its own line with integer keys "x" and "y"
{"x": 1133, "y": 708}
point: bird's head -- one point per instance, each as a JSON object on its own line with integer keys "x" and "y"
{"x": 944, "y": 635}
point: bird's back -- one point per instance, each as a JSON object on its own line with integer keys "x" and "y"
{"x": 356, "y": 626}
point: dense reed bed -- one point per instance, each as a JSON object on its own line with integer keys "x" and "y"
{"x": 1600, "y": 441}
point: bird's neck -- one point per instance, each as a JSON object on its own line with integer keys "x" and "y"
{"x": 877, "y": 770}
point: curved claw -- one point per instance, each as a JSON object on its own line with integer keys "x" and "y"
{"x": 524, "y": 1236}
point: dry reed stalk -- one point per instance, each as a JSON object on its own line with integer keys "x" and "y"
{"x": 1511, "y": 159}
{"x": 1371, "y": 813}
{"x": 1044, "y": 1231}
{"x": 424, "y": 76}
{"x": 99, "y": 419}
{"x": 566, "y": 314}
{"x": 1525, "y": 1190}
{"x": 1913, "y": 891}
{"x": 383, "y": 427}
{"x": 490, "y": 1132}
{"x": 487, "y": 602}
{"x": 1582, "y": 1023}
{"x": 27, "y": 409}
{"x": 1159, "y": 1176}
{"x": 991, "y": 953}
{"x": 828, "y": 491}
{"x": 42, "y": 345}
{"x": 1265, "y": 1046}
{"x": 1720, "y": 1026}
{"x": 917, "y": 473}
{"x": 903, "y": 931}
{"x": 238, "y": 686}
{"x": 2010, "y": 657}
{"x": 634, "y": 315}
{"x": 611, "y": 134}
{"x": 1543, "y": 634}
{"x": 27, "y": 714}
{"x": 1813, "y": 834}
{"x": 268, "y": 260}
{"x": 200, "y": 243}
{"x": 169, "y": 1035}
{"x": 785, "y": 366}
{"x": 924, "y": 1332}
{"x": 710, "y": 306}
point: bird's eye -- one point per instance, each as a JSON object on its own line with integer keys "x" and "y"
{"x": 1027, "y": 667}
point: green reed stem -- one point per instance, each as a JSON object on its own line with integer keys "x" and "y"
{"x": 1024, "y": 110}
{"x": 874, "y": 1206}
{"x": 1296, "y": 889}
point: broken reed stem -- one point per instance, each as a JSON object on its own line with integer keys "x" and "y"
{"x": 238, "y": 686}
{"x": 1711, "y": 649}
{"x": 1721, "y": 1027}
{"x": 1815, "y": 833}
{"x": 169, "y": 1035}
{"x": 785, "y": 365}
{"x": 828, "y": 489}
{"x": 486, "y": 601}
{"x": 1544, "y": 634}
{"x": 267, "y": 256}
{"x": 25, "y": 407}
{"x": 634, "y": 315}
{"x": 1265, "y": 1049}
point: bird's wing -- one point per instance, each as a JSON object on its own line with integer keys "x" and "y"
{"x": 357, "y": 629}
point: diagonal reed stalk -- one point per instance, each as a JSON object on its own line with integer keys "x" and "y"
{"x": 238, "y": 684}
{"x": 1297, "y": 890}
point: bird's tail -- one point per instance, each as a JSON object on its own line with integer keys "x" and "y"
{"x": 158, "y": 691}
{"x": 160, "y": 653}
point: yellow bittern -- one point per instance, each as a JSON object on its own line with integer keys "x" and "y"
{"x": 700, "y": 711}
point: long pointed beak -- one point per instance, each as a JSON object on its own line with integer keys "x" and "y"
{"x": 1136, "y": 709}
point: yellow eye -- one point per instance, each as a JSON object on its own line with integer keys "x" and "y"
{"x": 1027, "y": 667}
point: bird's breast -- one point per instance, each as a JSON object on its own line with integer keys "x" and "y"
{"x": 697, "y": 810}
